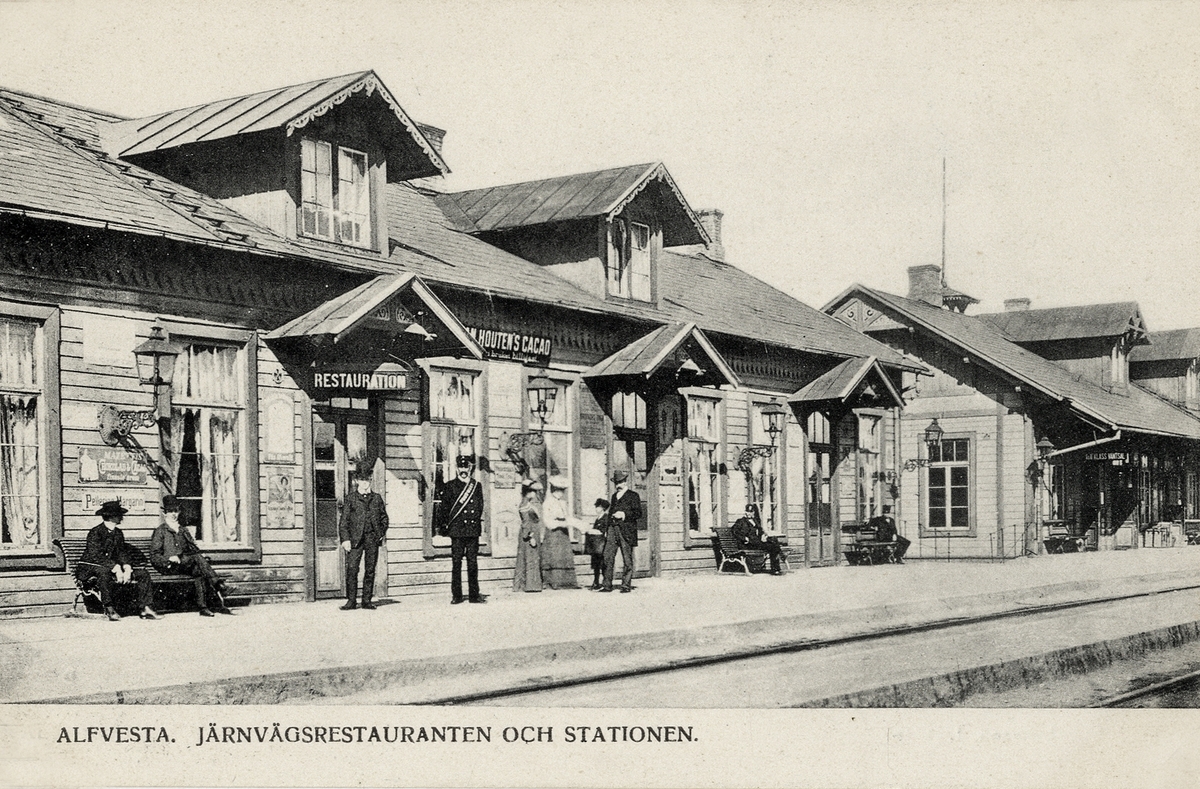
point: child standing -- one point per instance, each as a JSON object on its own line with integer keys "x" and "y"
{"x": 593, "y": 542}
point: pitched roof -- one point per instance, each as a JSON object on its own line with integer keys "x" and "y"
{"x": 722, "y": 298}
{"x": 1167, "y": 346}
{"x": 52, "y": 166}
{"x": 841, "y": 382}
{"x": 1068, "y": 323}
{"x": 342, "y": 314}
{"x": 291, "y": 107}
{"x": 1139, "y": 411}
{"x": 578, "y": 196}
{"x": 644, "y": 356}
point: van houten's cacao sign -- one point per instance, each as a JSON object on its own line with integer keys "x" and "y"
{"x": 512, "y": 346}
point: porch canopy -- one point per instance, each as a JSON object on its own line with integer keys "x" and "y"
{"x": 858, "y": 382}
{"x": 400, "y": 307}
{"x": 676, "y": 352}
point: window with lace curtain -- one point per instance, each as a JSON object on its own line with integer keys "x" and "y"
{"x": 204, "y": 445}
{"x": 702, "y": 456}
{"x": 21, "y": 382}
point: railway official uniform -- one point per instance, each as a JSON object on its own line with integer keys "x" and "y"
{"x": 459, "y": 516}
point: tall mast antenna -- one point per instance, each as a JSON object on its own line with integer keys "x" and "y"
{"x": 943, "y": 221}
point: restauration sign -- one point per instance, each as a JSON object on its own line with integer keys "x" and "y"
{"x": 381, "y": 378}
{"x": 511, "y": 345}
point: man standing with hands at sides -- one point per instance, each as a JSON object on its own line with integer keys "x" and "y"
{"x": 172, "y": 550}
{"x": 107, "y": 559}
{"x": 459, "y": 516}
{"x": 624, "y": 513}
{"x": 362, "y": 529}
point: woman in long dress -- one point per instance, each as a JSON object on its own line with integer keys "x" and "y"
{"x": 558, "y": 558}
{"x": 527, "y": 577}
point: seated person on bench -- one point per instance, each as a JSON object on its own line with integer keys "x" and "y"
{"x": 107, "y": 559}
{"x": 173, "y": 551}
{"x": 749, "y": 535}
{"x": 885, "y": 531}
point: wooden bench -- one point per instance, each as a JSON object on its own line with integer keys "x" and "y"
{"x": 72, "y": 548}
{"x": 866, "y": 548}
{"x": 728, "y": 552}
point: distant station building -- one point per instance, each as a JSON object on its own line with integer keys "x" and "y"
{"x": 244, "y": 302}
{"x": 1039, "y": 429}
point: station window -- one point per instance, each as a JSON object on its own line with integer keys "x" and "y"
{"x": 205, "y": 445}
{"x": 335, "y": 196}
{"x": 703, "y": 453}
{"x": 454, "y": 428}
{"x": 22, "y": 435}
{"x": 629, "y": 268}
{"x": 949, "y": 485}
{"x": 551, "y": 455}
{"x": 766, "y": 473}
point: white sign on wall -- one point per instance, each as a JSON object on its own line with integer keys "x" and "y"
{"x": 108, "y": 340}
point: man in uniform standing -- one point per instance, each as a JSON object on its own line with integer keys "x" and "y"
{"x": 459, "y": 515}
{"x": 624, "y": 514}
{"x": 108, "y": 560}
{"x": 362, "y": 530}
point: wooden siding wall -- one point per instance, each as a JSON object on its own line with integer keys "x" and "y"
{"x": 281, "y": 575}
{"x": 1000, "y": 450}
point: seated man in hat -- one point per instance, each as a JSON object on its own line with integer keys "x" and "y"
{"x": 107, "y": 561}
{"x": 750, "y": 536}
{"x": 173, "y": 551}
{"x": 885, "y": 531}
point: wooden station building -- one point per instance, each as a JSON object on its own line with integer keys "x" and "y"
{"x": 1036, "y": 424}
{"x": 333, "y": 308}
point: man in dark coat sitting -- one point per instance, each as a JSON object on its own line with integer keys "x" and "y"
{"x": 173, "y": 551}
{"x": 362, "y": 530}
{"x": 885, "y": 531}
{"x": 750, "y": 536}
{"x": 107, "y": 560}
{"x": 459, "y": 516}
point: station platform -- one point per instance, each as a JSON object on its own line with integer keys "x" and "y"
{"x": 423, "y": 650}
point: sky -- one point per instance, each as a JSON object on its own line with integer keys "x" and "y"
{"x": 1070, "y": 131}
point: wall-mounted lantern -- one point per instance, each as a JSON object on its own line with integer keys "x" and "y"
{"x": 542, "y": 394}
{"x": 933, "y": 438}
{"x": 156, "y": 368}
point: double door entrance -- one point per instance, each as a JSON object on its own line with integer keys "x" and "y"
{"x": 344, "y": 440}
{"x": 822, "y": 539}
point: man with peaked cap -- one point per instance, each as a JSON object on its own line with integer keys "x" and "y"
{"x": 362, "y": 530}
{"x": 459, "y": 516}
{"x": 108, "y": 561}
{"x": 173, "y": 551}
{"x": 624, "y": 514}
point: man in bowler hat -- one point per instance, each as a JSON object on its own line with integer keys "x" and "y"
{"x": 459, "y": 515}
{"x": 362, "y": 529}
{"x": 108, "y": 560}
{"x": 173, "y": 551}
{"x": 624, "y": 514}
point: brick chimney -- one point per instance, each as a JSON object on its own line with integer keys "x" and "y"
{"x": 925, "y": 284}
{"x": 710, "y": 218}
{"x": 1017, "y": 305}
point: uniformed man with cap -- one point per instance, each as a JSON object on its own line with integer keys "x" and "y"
{"x": 459, "y": 516}
{"x": 108, "y": 561}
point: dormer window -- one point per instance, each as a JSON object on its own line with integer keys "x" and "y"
{"x": 335, "y": 201}
{"x": 629, "y": 266}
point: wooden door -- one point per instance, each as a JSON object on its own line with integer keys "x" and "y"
{"x": 822, "y": 537}
{"x": 632, "y": 451}
{"x": 342, "y": 439}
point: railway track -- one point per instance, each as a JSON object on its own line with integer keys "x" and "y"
{"x": 1182, "y": 683}
{"x": 542, "y": 685}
